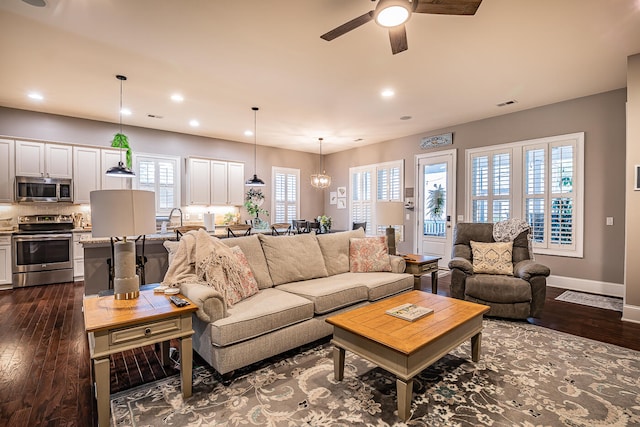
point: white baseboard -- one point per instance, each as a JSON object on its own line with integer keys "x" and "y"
{"x": 631, "y": 313}
{"x": 585, "y": 285}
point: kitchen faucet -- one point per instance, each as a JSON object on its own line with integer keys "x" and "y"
{"x": 171, "y": 214}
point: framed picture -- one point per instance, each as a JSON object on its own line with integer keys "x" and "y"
{"x": 342, "y": 191}
{"x": 342, "y": 202}
{"x": 333, "y": 198}
{"x": 636, "y": 178}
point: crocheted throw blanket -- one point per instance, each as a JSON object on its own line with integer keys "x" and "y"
{"x": 201, "y": 258}
{"x": 508, "y": 230}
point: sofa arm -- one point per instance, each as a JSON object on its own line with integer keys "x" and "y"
{"x": 398, "y": 264}
{"x": 527, "y": 269}
{"x": 211, "y": 304}
{"x": 461, "y": 264}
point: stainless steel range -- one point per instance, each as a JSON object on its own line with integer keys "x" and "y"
{"x": 42, "y": 250}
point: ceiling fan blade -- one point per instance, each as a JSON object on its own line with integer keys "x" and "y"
{"x": 448, "y": 7}
{"x": 348, "y": 26}
{"x": 398, "y": 39}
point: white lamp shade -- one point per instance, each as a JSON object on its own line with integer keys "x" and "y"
{"x": 116, "y": 213}
{"x": 389, "y": 213}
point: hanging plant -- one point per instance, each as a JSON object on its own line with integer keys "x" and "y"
{"x": 435, "y": 202}
{"x": 121, "y": 141}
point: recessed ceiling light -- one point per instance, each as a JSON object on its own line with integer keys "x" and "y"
{"x": 194, "y": 123}
{"x": 125, "y": 111}
{"x": 387, "y": 93}
{"x": 248, "y": 133}
{"x": 36, "y": 96}
{"x": 176, "y": 97}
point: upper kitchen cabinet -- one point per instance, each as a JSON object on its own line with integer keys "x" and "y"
{"x": 7, "y": 174}
{"x": 87, "y": 173}
{"x": 43, "y": 160}
{"x": 110, "y": 158}
{"x": 214, "y": 182}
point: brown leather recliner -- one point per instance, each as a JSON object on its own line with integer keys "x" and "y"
{"x": 517, "y": 297}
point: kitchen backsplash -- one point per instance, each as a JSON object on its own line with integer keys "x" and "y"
{"x": 14, "y": 210}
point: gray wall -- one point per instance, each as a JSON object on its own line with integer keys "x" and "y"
{"x": 32, "y": 125}
{"x": 601, "y": 117}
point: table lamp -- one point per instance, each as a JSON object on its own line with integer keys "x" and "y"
{"x": 122, "y": 213}
{"x": 390, "y": 214}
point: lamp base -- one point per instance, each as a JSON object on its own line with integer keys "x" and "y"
{"x": 391, "y": 240}
{"x": 126, "y": 283}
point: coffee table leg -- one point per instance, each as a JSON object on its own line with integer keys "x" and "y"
{"x": 338, "y": 363}
{"x": 186, "y": 365}
{"x": 103, "y": 388}
{"x": 476, "y": 341}
{"x": 405, "y": 394}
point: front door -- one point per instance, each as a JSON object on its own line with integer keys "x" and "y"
{"x": 435, "y": 204}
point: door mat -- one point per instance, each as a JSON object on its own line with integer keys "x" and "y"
{"x": 599, "y": 301}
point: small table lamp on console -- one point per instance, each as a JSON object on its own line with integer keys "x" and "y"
{"x": 122, "y": 213}
{"x": 390, "y": 214}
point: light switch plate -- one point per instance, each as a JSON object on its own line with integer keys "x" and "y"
{"x": 609, "y": 220}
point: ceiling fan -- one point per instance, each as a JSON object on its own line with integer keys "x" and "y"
{"x": 393, "y": 14}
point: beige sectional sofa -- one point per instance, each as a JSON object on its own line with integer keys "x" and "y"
{"x": 303, "y": 279}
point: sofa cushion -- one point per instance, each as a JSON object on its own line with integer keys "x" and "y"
{"x": 368, "y": 254}
{"x": 293, "y": 258}
{"x": 252, "y": 249}
{"x": 328, "y": 293}
{"x": 335, "y": 249}
{"x": 498, "y": 288}
{"x": 383, "y": 284}
{"x": 492, "y": 258}
{"x": 266, "y": 311}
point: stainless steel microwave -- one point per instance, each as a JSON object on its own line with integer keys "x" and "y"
{"x": 33, "y": 189}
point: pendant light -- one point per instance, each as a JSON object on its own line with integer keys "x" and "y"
{"x": 121, "y": 170}
{"x": 320, "y": 180}
{"x": 255, "y": 181}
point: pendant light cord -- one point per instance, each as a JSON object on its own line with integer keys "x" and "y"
{"x": 255, "y": 140}
{"x": 321, "y": 161}
{"x": 121, "y": 78}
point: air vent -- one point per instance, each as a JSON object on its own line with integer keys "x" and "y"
{"x": 406, "y": 118}
{"x": 154, "y": 116}
{"x": 510, "y": 102}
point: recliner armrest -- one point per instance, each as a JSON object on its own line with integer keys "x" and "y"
{"x": 461, "y": 264}
{"x": 211, "y": 304}
{"x": 527, "y": 268}
{"x": 398, "y": 264}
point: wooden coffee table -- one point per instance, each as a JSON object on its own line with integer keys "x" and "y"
{"x": 118, "y": 325}
{"x": 406, "y": 348}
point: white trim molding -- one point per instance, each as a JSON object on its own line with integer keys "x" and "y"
{"x": 631, "y": 313}
{"x": 586, "y": 285}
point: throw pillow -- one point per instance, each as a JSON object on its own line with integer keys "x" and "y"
{"x": 247, "y": 284}
{"x": 492, "y": 258}
{"x": 367, "y": 254}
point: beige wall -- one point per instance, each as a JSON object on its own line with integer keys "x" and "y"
{"x": 48, "y": 127}
{"x": 632, "y": 272}
{"x": 601, "y": 117}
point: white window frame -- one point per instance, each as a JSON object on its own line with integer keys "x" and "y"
{"x": 372, "y": 228}
{"x": 275, "y": 170}
{"x": 518, "y": 193}
{"x": 176, "y": 177}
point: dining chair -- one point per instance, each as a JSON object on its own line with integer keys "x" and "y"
{"x": 280, "y": 229}
{"x": 314, "y": 227}
{"x": 300, "y": 226}
{"x": 362, "y": 225}
{"x": 236, "y": 230}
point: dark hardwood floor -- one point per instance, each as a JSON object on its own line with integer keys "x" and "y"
{"x": 44, "y": 355}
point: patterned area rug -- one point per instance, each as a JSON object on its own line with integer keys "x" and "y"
{"x": 527, "y": 376}
{"x": 600, "y": 301}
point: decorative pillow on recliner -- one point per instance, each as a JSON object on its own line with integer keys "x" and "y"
{"x": 367, "y": 254}
{"x": 492, "y": 258}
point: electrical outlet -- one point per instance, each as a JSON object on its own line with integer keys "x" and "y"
{"x": 609, "y": 220}
{"x": 408, "y": 216}
{"x": 187, "y": 216}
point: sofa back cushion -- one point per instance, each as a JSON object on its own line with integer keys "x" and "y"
{"x": 252, "y": 249}
{"x": 335, "y": 250}
{"x": 293, "y": 258}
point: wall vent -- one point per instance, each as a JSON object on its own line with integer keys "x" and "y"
{"x": 502, "y": 104}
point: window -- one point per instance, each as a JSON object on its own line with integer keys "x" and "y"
{"x": 286, "y": 191}
{"x": 160, "y": 174}
{"x": 539, "y": 180}
{"x": 388, "y": 181}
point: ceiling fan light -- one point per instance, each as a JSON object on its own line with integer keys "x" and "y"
{"x": 392, "y": 13}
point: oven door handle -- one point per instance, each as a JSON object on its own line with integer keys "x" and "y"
{"x": 23, "y": 238}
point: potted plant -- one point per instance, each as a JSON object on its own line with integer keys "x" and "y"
{"x": 121, "y": 141}
{"x": 325, "y": 223}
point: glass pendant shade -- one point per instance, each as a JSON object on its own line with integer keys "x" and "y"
{"x": 254, "y": 181}
{"x": 320, "y": 180}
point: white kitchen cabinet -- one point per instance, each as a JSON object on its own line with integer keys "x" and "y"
{"x": 7, "y": 174}
{"x": 5, "y": 260}
{"x": 43, "y": 160}
{"x": 111, "y": 158}
{"x": 87, "y": 173}
{"x": 78, "y": 253}
{"x": 215, "y": 182}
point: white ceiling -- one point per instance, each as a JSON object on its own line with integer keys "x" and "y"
{"x": 227, "y": 56}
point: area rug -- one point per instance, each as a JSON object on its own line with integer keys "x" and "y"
{"x": 600, "y": 301}
{"x": 527, "y": 376}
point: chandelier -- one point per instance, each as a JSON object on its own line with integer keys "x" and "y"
{"x": 320, "y": 180}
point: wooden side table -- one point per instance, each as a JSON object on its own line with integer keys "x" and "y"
{"x": 117, "y": 325}
{"x": 418, "y": 265}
